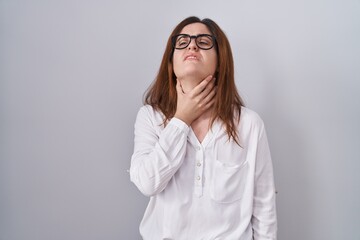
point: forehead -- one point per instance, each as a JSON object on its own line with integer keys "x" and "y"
{"x": 195, "y": 28}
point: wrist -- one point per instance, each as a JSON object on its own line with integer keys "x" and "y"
{"x": 184, "y": 119}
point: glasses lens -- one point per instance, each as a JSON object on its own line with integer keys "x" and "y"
{"x": 182, "y": 41}
{"x": 204, "y": 41}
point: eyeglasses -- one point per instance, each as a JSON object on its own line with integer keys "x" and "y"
{"x": 203, "y": 41}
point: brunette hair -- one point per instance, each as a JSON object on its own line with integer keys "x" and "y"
{"x": 162, "y": 94}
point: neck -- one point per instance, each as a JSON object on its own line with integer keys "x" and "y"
{"x": 205, "y": 117}
{"x": 202, "y": 125}
{"x": 189, "y": 82}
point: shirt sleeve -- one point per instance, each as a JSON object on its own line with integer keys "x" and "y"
{"x": 264, "y": 220}
{"x": 156, "y": 157}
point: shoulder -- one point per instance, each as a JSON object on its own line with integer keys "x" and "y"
{"x": 250, "y": 116}
{"x": 148, "y": 110}
{"x": 249, "y": 119}
{"x": 150, "y": 113}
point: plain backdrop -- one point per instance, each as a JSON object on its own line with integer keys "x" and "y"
{"x": 72, "y": 77}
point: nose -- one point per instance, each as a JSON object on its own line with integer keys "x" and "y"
{"x": 192, "y": 44}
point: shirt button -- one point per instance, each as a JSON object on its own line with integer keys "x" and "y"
{"x": 198, "y": 178}
{"x": 198, "y": 164}
{"x": 198, "y": 148}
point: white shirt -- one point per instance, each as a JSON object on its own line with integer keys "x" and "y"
{"x": 209, "y": 190}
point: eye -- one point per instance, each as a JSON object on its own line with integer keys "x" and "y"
{"x": 182, "y": 41}
{"x": 204, "y": 41}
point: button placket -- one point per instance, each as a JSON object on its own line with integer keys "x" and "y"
{"x": 199, "y": 171}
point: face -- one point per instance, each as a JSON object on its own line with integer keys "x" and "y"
{"x": 192, "y": 61}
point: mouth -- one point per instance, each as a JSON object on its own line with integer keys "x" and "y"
{"x": 191, "y": 57}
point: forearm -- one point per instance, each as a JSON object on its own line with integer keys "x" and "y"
{"x": 157, "y": 158}
{"x": 264, "y": 219}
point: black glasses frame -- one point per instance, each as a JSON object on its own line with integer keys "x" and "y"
{"x": 174, "y": 38}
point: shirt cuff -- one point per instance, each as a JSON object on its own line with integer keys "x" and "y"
{"x": 180, "y": 124}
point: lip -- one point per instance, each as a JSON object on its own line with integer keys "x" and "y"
{"x": 191, "y": 56}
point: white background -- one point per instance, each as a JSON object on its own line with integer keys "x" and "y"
{"x": 72, "y": 76}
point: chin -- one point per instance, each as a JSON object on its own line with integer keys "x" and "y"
{"x": 193, "y": 73}
{"x": 197, "y": 74}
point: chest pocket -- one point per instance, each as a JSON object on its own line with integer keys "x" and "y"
{"x": 228, "y": 181}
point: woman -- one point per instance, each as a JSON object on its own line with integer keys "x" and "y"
{"x": 201, "y": 156}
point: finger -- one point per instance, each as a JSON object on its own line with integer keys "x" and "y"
{"x": 209, "y": 104}
{"x": 207, "y": 89}
{"x": 209, "y": 96}
{"x": 202, "y": 85}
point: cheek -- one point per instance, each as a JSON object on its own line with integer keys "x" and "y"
{"x": 214, "y": 62}
{"x": 175, "y": 63}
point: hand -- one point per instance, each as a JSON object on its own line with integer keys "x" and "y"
{"x": 194, "y": 103}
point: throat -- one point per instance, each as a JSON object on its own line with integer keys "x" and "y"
{"x": 189, "y": 83}
{"x": 201, "y": 128}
